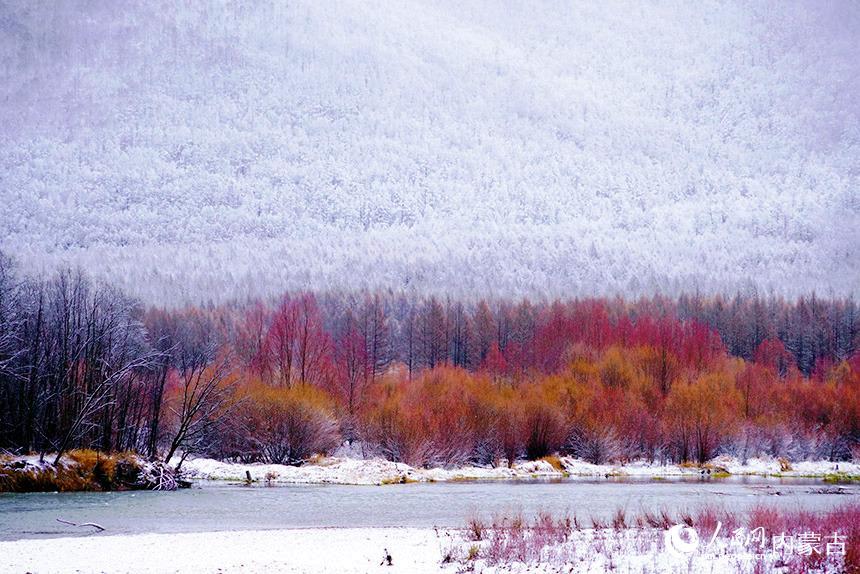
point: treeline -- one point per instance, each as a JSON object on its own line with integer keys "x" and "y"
{"x": 426, "y": 381}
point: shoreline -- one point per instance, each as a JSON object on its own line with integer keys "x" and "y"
{"x": 375, "y": 471}
{"x": 74, "y": 475}
{"x": 85, "y": 471}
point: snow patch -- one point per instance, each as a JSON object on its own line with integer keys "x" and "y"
{"x": 346, "y": 470}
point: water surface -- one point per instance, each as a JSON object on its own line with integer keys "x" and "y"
{"x": 216, "y": 506}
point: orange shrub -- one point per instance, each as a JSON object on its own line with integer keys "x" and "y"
{"x": 285, "y": 425}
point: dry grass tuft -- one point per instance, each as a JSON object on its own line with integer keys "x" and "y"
{"x": 554, "y": 461}
{"x": 81, "y": 470}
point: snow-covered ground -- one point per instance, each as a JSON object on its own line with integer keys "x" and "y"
{"x": 356, "y": 550}
{"x": 358, "y": 471}
{"x": 344, "y": 470}
{"x": 313, "y": 550}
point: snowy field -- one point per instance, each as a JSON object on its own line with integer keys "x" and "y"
{"x": 312, "y": 550}
{"x": 362, "y": 550}
{"x": 337, "y": 470}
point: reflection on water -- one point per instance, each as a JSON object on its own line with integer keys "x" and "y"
{"x": 215, "y": 506}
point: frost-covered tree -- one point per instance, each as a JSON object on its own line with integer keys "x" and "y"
{"x": 213, "y": 150}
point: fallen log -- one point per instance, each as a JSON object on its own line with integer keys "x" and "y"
{"x": 99, "y": 527}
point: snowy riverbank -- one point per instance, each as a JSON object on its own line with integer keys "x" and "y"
{"x": 344, "y": 470}
{"x": 361, "y": 550}
{"x": 84, "y": 470}
{"x": 310, "y": 550}
{"x": 88, "y": 470}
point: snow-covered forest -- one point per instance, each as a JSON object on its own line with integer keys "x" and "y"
{"x": 207, "y": 151}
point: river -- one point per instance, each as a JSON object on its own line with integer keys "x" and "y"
{"x": 219, "y": 507}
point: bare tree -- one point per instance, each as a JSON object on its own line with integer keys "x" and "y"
{"x": 201, "y": 367}
{"x": 376, "y": 334}
{"x": 103, "y": 348}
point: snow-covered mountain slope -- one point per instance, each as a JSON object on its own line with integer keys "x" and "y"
{"x": 473, "y": 148}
